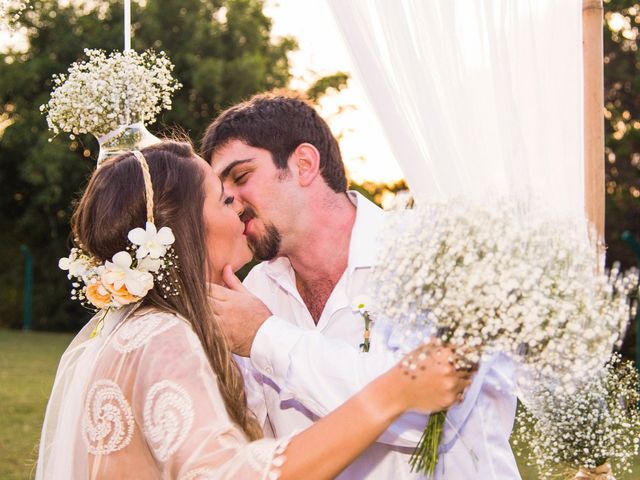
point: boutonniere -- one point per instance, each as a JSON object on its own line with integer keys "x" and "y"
{"x": 359, "y": 305}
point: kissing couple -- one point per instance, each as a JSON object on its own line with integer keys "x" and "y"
{"x": 150, "y": 387}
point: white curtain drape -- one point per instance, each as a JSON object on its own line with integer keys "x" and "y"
{"x": 476, "y": 97}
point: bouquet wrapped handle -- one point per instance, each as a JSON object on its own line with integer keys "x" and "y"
{"x": 603, "y": 472}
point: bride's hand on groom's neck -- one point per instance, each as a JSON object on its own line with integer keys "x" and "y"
{"x": 238, "y": 312}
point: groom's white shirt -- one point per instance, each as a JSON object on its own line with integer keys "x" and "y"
{"x": 299, "y": 372}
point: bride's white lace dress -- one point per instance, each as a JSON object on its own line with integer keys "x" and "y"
{"x": 140, "y": 400}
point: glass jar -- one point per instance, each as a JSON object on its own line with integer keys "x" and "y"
{"x": 125, "y": 139}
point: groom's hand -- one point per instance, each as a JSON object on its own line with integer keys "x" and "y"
{"x": 238, "y": 312}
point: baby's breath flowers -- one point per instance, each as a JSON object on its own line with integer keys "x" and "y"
{"x": 597, "y": 424}
{"x": 106, "y": 92}
{"x": 500, "y": 277}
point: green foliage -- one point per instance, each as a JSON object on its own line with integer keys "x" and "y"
{"x": 337, "y": 82}
{"x": 222, "y": 52}
{"x": 375, "y": 191}
{"x": 622, "y": 134}
{"x": 622, "y": 125}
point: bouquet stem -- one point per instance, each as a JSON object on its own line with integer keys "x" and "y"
{"x": 425, "y": 456}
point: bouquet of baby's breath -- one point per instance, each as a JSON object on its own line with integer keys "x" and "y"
{"x": 105, "y": 92}
{"x": 499, "y": 277}
{"x": 584, "y": 430}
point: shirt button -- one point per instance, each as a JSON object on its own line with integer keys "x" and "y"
{"x": 268, "y": 370}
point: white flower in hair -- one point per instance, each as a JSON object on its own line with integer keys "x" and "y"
{"x": 76, "y": 266}
{"x": 149, "y": 264}
{"x": 152, "y": 242}
{"x": 118, "y": 274}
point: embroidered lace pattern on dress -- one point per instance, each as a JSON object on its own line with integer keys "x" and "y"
{"x": 264, "y": 456}
{"x": 107, "y": 422}
{"x": 230, "y": 439}
{"x": 168, "y": 417}
{"x": 271, "y": 458}
{"x": 137, "y": 332}
{"x": 199, "y": 474}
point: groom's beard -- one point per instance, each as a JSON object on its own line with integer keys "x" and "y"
{"x": 268, "y": 245}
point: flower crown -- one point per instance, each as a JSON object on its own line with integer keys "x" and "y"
{"x": 131, "y": 273}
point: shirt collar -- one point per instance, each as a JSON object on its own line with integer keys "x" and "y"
{"x": 365, "y": 232}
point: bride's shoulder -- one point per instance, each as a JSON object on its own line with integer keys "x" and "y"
{"x": 151, "y": 326}
{"x": 148, "y": 313}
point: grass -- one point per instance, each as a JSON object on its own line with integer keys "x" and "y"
{"x": 28, "y": 362}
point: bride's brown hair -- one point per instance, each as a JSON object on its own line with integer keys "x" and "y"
{"x": 114, "y": 203}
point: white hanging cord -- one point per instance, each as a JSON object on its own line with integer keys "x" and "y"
{"x": 127, "y": 46}
{"x": 127, "y": 25}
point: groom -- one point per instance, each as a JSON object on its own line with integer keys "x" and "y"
{"x": 302, "y": 337}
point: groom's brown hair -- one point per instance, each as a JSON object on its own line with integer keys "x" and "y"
{"x": 278, "y": 123}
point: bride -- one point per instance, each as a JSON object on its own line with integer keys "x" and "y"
{"x": 148, "y": 388}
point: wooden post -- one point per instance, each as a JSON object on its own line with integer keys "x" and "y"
{"x": 592, "y": 15}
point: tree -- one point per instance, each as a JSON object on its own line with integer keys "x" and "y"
{"x": 622, "y": 126}
{"x": 622, "y": 131}
{"x": 223, "y": 53}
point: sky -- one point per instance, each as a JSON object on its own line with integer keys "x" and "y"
{"x": 321, "y": 52}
